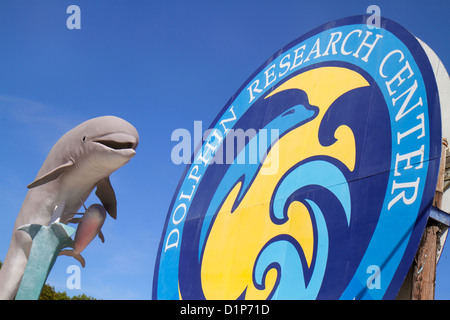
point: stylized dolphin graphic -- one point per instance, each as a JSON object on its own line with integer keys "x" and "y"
{"x": 81, "y": 160}
{"x": 90, "y": 226}
{"x": 266, "y": 236}
{"x": 246, "y": 172}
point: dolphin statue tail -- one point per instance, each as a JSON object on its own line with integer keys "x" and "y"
{"x": 72, "y": 253}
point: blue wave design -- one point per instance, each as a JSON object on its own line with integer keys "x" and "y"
{"x": 284, "y": 256}
{"x": 247, "y": 171}
{"x": 318, "y": 172}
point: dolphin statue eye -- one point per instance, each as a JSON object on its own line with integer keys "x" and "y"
{"x": 291, "y": 111}
{"x": 84, "y": 138}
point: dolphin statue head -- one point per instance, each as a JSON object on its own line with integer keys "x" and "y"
{"x": 86, "y": 156}
{"x": 104, "y": 143}
{"x": 109, "y": 142}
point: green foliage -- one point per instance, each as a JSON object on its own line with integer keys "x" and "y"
{"x": 49, "y": 293}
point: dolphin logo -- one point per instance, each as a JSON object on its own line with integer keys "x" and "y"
{"x": 80, "y": 160}
{"x": 277, "y": 245}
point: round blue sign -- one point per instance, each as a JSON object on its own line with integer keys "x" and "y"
{"x": 316, "y": 179}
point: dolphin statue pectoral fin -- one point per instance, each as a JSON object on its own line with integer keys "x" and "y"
{"x": 105, "y": 193}
{"x": 77, "y": 256}
{"x": 101, "y": 236}
{"x": 52, "y": 175}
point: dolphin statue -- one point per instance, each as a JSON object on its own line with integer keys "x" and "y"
{"x": 80, "y": 160}
{"x": 89, "y": 227}
{"x": 47, "y": 242}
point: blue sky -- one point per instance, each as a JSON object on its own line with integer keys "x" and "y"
{"x": 161, "y": 65}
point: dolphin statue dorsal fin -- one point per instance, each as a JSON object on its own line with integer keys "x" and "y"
{"x": 52, "y": 175}
{"x": 107, "y": 196}
{"x": 101, "y": 236}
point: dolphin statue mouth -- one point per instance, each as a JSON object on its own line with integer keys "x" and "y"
{"x": 117, "y": 141}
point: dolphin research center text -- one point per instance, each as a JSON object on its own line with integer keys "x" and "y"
{"x": 289, "y": 62}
